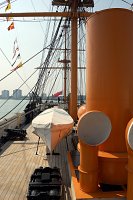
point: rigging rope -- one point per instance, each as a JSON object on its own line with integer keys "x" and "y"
{"x": 26, "y": 61}
{"x": 54, "y": 82}
{"x": 17, "y": 104}
{"x": 56, "y": 54}
{"x": 19, "y": 88}
{"x": 4, "y": 3}
{"x": 51, "y": 45}
{"x": 127, "y": 2}
{"x": 40, "y": 79}
{"x": 10, "y": 64}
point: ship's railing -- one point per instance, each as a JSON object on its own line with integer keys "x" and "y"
{"x": 18, "y": 119}
{"x": 12, "y": 122}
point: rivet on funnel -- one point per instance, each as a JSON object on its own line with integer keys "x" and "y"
{"x": 94, "y": 128}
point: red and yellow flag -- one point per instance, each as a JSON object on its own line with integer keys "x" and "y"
{"x": 18, "y": 66}
{"x": 11, "y": 26}
{"x": 8, "y": 7}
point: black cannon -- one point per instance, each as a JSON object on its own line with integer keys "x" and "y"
{"x": 13, "y": 134}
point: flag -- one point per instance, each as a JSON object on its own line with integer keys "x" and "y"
{"x": 15, "y": 45}
{"x": 15, "y": 48}
{"x": 9, "y": 18}
{"x": 11, "y": 26}
{"x": 18, "y": 57}
{"x": 8, "y": 7}
{"x": 57, "y": 94}
{"x": 15, "y": 41}
{"x": 18, "y": 66}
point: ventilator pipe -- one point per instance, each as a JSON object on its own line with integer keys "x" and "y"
{"x": 88, "y": 168}
{"x": 129, "y": 143}
{"x": 81, "y": 110}
{"x": 93, "y": 129}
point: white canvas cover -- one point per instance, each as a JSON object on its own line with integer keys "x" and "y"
{"x": 52, "y": 125}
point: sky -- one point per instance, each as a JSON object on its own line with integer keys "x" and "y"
{"x": 30, "y": 38}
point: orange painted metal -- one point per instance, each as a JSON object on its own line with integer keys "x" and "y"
{"x": 112, "y": 168}
{"x": 88, "y": 168}
{"x": 109, "y": 70}
{"x": 81, "y": 110}
{"x": 130, "y": 164}
{"x": 73, "y": 97}
{"x": 80, "y": 194}
{"x": 93, "y": 128}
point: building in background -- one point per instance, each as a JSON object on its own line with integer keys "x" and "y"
{"x": 5, "y": 94}
{"x": 17, "y": 94}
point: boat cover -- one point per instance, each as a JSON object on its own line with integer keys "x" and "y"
{"x": 52, "y": 125}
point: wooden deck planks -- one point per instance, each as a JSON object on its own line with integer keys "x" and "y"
{"x": 18, "y": 160}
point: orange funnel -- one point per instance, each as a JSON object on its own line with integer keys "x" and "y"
{"x": 110, "y": 70}
{"x": 109, "y": 85}
{"x": 93, "y": 129}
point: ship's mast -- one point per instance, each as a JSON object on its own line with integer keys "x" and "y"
{"x": 73, "y": 96}
{"x": 74, "y": 14}
{"x": 74, "y": 4}
{"x": 65, "y": 67}
{"x": 65, "y": 62}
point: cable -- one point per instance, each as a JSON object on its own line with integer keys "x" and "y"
{"x": 39, "y": 82}
{"x": 5, "y": 2}
{"x": 54, "y": 83}
{"x": 127, "y": 2}
{"x": 25, "y": 62}
{"x": 16, "y": 105}
{"x": 54, "y": 58}
{"x": 6, "y": 76}
{"x": 19, "y": 87}
{"x": 50, "y": 45}
{"x": 111, "y": 3}
{"x": 10, "y": 64}
{"x": 39, "y": 22}
{"x": 47, "y": 60}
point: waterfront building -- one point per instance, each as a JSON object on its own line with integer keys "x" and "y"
{"x": 17, "y": 94}
{"x": 5, "y": 94}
